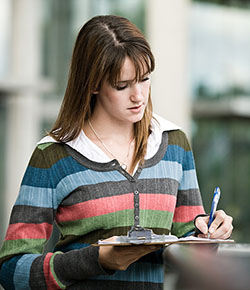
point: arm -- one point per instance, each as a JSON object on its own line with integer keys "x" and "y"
{"x": 189, "y": 201}
{"x": 23, "y": 263}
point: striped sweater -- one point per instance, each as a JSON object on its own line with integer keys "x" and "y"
{"x": 90, "y": 201}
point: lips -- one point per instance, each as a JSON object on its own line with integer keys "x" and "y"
{"x": 135, "y": 107}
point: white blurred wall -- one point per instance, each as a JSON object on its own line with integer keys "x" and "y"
{"x": 167, "y": 32}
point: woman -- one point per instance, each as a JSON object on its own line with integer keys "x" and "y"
{"x": 105, "y": 151}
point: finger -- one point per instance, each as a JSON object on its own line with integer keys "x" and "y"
{"x": 220, "y": 217}
{"x": 201, "y": 224}
{"x": 225, "y": 230}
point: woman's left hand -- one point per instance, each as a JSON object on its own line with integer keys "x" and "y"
{"x": 220, "y": 228}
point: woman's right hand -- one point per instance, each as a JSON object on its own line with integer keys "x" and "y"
{"x": 120, "y": 257}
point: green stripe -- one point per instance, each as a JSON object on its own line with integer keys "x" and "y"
{"x": 124, "y": 218}
{"x": 156, "y": 219}
{"x": 54, "y": 153}
{"x": 81, "y": 227}
{"x": 51, "y": 263}
{"x": 178, "y": 138}
{"x": 30, "y": 246}
{"x": 180, "y": 229}
{"x": 44, "y": 145}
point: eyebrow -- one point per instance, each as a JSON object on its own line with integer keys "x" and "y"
{"x": 130, "y": 81}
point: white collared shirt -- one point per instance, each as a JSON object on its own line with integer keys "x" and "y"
{"x": 90, "y": 150}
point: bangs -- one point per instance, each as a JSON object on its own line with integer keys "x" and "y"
{"x": 143, "y": 64}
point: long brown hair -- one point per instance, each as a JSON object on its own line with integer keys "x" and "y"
{"x": 101, "y": 47}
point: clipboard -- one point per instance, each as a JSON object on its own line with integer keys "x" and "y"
{"x": 154, "y": 239}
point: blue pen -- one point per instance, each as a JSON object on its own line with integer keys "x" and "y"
{"x": 215, "y": 201}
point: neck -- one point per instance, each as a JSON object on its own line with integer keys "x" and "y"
{"x": 114, "y": 148}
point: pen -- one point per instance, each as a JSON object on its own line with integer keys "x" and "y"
{"x": 215, "y": 201}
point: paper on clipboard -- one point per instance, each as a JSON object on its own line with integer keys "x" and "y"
{"x": 159, "y": 240}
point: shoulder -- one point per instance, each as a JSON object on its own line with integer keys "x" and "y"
{"x": 47, "y": 153}
{"x": 171, "y": 131}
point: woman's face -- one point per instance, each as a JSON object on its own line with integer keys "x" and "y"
{"x": 127, "y": 101}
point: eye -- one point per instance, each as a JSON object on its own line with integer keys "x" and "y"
{"x": 145, "y": 79}
{"x": 120, "y": 88}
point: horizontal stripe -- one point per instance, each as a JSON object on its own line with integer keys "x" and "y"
{"x": 24, "y": 231}
{"x": 71, "y": 182}
{"x": 189, "y": 180}
{"x": 84, "y": 226}
{"x": 31, "y": 214}
{"x": 90, "y": 192}
{"x": 22, "y": 246}
{"x": 181, "y": 229}
{"x": 137, "y": 272}
{"x": 189, "y": 197}
{"x": 156, "y": 219}
{"x": 35, "y": 196}
{"x": 96, "y": 207}
{"x": 103, "y": 206}
{"x": 179, "y": 138}
{"x": 67, "y": 168}
{"x": 54, "y": 152}
{"x": 185, "y": 214}
{"x": 176, "y": 153}
{"x": 163, "y": 202}
{"x": 73, "y": 246}
{"x": 163, "y": 169}
{"x": 21, "y": 275}
{"x": 148, "y": 218}
{"x": 44, "y": 197}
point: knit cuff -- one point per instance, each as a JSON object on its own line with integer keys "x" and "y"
{"x": 197, "y": 231}
{"x": 78, "y": 265}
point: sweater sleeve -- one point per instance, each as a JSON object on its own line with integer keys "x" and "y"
{"x": 189, "y": 201}
{"x": 23, "y": 263}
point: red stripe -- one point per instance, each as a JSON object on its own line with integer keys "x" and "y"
{"x": 28, "y": 231}
{"x": 187, "y": 213}
{"x": 163, "y": 202}
{"x": 106, "y": 205}
{"x": 96, "y": 207}
{"x": 50, "y": 280}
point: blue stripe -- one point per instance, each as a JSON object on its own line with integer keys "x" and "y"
{"x": 7, "y": 273}
{"x": 35, "y": 196}
{"x": 51, "y": 198}
{"x": 40, "y": 177}
{"x": 163, "y": 169}
{"x": 21, "y": 275}
{"x": 176, "y": 153}
{"x": 88, "y": 177}
{"x": 137, "y": 272}
{"x": 69, "y": 247}
{"x": 189, "y": 180}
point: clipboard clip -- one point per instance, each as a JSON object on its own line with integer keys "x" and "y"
{"x": 139, "y": 235}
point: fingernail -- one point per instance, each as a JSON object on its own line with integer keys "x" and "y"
{"x": 211, "y": 230}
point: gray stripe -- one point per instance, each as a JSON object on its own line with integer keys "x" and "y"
{"x": 189, "y": 197}
{"x": 31, "y": 214}
{"x": 106, "y": 189}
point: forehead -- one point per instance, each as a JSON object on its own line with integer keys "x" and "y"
{"x": 128, "y": 70}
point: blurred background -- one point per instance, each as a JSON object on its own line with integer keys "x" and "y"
{"x": 201, "y": 82}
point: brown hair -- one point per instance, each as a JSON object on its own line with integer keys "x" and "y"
{"x": 101, "y": 47}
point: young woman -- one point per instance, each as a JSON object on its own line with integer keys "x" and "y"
{"x": 105, "y": 156}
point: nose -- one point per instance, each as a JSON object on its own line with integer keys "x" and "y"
{"x": 136, "y": 93}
